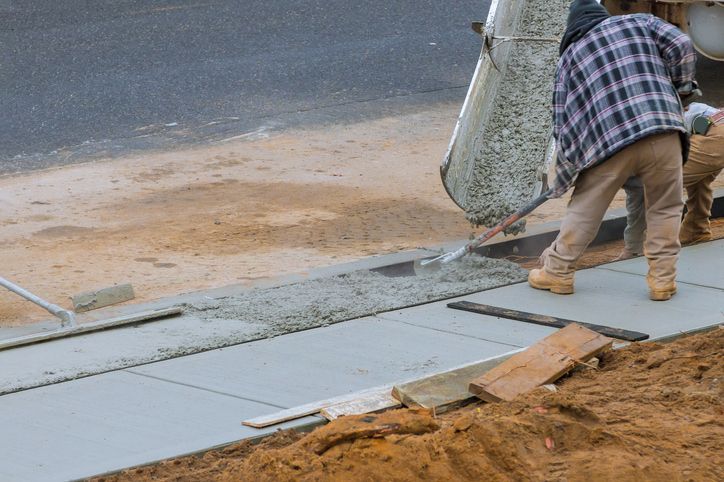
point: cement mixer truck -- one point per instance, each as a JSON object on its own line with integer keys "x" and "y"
{"x": 702, "y": 21}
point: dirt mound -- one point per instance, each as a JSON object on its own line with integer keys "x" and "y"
{"x": 651, "y": 412}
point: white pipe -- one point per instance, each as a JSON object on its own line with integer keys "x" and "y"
{"x": 67, "y": 318}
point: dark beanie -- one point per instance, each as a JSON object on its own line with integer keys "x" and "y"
{"x": 582, "y": 17}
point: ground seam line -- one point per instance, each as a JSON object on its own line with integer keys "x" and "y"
{"x": 449, "y": 332}
{"x": 643, "y": 276}
{"x": 202, "y": 388}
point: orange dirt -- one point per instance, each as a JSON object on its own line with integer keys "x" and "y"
{"x": 651, "y": 412}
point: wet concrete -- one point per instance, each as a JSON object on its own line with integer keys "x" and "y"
{"x": 329, "y": 300}
{"x": 516, "y": 137}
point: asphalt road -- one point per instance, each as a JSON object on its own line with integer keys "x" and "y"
{"x": 86, "y": 78}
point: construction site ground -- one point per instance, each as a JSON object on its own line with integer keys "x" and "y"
{"x": 237, "y": 212}
{"x": 126, "y": 417}
{"x": 649, "y": 412}
{"x": 213, "y": 221}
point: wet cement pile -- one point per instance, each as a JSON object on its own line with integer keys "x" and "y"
{"x": 516, "y": 136}
{"x": 651, "y": 412}
{"x": 324, "y": 301}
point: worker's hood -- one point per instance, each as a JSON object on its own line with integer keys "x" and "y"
{"x": 582, "y": 17}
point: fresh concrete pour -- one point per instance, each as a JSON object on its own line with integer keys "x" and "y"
{"x": 330, "y": 300}
{"x": 516, "y": 136}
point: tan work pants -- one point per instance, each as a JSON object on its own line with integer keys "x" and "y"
{"x": 657, "y": 161}
{"x": 706, "y": 160}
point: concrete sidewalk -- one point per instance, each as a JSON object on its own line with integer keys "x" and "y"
{"x": 141, "y": 414}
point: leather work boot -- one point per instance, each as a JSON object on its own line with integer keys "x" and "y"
{"x": 541, "y": 280}
{"x": 693, "y": 238}
{"x": 627, "y": 254}
{"x": 661, "y": 292}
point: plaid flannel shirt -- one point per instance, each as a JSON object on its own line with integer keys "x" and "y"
{"x": 615, "y": 86}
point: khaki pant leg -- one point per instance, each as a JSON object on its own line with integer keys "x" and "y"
{"x": 706, "y": 160}
{"x": 660, "y": 169}
{"x": 595, "y": 189}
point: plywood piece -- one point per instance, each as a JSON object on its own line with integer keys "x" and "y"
{"x": 542, "y": 363}
{"x": 445, "y": 390}
{"x": 374, "y": 402}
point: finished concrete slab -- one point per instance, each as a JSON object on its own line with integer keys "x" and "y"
{"x": 325, "y": 362}
{"x": 701, "y": 264}
{"x": 615, "y": 299}
{"x": 111, "y": 421}
{"x": 99, "y": 352}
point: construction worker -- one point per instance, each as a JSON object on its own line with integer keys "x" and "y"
{"x": 705, "y": 125}
{"x": 617, "y": 114}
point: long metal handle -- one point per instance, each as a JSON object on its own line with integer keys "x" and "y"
{"x": 472, "y": 245}
{"x": 67, "y": 318}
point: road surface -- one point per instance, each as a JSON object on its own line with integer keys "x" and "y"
{"x": 87, "y": 79}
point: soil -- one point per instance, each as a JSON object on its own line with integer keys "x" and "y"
{"x": 649, "y": 412}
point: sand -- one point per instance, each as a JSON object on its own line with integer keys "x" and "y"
{"x": 323, "y": 301}
{"x": 516, "y": 136}
{"x": 651, "y": 412}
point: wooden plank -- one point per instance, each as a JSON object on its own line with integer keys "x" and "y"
{"x": 446, "y": 390}
{"x": 541, "y": 363}
{"x": 544, "y": 320}
{"x": 90, "y": 326}
{"x": 316, "y": 407}
{"x": 310, "y": 408}
{"x": 374, "y": 402}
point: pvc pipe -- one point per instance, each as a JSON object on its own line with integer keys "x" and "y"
{"x": 67, "y": 318}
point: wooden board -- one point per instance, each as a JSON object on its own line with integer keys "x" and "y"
{"x": 380, "y": 391}
{"x": 446, "y": 390}
{"x": 375, "y": 402}
{"x": 541, "y": 363}
{"x": 311, "y": 408}
{"x": 544, "y": 320}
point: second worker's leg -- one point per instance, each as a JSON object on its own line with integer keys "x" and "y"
{"x": 635, "y": 232}
{"x": 706, "y": 160}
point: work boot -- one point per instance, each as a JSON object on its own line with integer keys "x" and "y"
{"x": 540, "y": 279}
{"x": 661, "y": 292}
{"x": 627, "y": 254}
{"x": 687, "y": 238}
